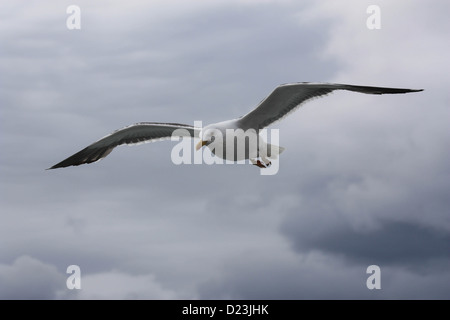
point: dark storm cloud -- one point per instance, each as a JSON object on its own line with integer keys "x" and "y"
{"x": 391, "y": 217}
{"x": 392, "y": 243}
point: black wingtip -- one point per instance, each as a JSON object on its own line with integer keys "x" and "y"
{"x": 414, "y": 90}
{"x": 382, "y": 90}
{"x": 85, "y": 156}
{"x": 394, "y": 90}
{"x": 56, "y": 166}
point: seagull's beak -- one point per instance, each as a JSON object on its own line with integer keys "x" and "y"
{"x": 200, "y": 144}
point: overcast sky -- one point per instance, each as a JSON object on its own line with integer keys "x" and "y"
{"x": 364, "y": 179}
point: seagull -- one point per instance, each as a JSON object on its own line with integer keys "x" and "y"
{"x": 282, "y": 101}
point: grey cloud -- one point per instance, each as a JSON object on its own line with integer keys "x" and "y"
{"x": 29, "y": 278}
{"x": 318, "y": 276}
{"x": 117, "y": 285}
{"x": 392, "y": 243}
{"x": 383, "y": 219}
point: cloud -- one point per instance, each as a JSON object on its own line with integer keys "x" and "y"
{"x": 29, "y": 278}
{"x": 392, "y": 243}
{"x": 318, "y": 276}
{"x": 116, "y": 285}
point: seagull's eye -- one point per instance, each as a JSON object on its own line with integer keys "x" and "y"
{"x": 212, "y": 138}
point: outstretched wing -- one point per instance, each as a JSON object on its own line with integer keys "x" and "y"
{"x": 137, "y": 133}
{"x": 288, "y": 97}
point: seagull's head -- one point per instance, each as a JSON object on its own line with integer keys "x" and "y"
{"x": 207, "y": 136}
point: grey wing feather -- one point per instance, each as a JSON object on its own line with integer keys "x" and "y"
{"x": 134, "y": 134}
{"x": 288, "y": 97}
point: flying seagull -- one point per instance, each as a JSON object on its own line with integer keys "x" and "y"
{"x": 283, "y": 100}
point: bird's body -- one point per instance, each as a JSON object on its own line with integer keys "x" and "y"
{"x": 234, "y": 141}
{"x": 221, "y": 137}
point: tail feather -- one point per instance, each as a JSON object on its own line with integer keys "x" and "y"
{"x": 273, "y": 151}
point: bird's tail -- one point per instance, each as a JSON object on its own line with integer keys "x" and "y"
{"x": 273, "y": 151}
